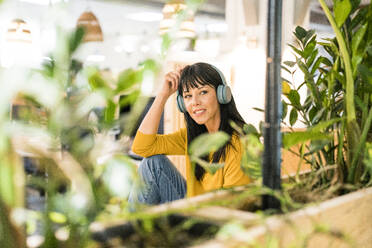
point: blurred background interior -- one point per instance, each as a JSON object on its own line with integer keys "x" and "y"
{"x": 228, "y": 33}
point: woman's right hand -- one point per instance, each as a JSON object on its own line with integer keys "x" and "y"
{"x": 170, "y": 84}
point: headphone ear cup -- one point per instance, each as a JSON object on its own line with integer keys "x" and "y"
{"x": 181, "y": 104}
{"x": 223, "y": 94}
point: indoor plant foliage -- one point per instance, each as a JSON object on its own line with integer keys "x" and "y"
{"x": 74, "y": 170}
{"x": 81, "y": 183}
{"x": 337, "y": 112}
{"x": 67, "y": 148}
{"x": 337, "y": 109}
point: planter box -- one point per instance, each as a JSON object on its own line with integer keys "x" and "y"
{"x": 210, "y": 210}
{"x": 206, "y": 220}
{"x": 340, "y": 222}
{"x": 344, "y": 221}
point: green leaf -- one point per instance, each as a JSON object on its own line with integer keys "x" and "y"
{"x": 309, "y": 34}
{"x": 300, "y": 33}
{"x": 252, "y": 156}
{"x": 318, "y": 115}
{"x": 317, "y": 145}
{"x": 48, "y": 66}
{"x": 313, "y": 55}
{"x": 342, "y": 9}
{"x": 284, "y": 109}
{"x": 291, "y": 139}
{"x": 356, "y": 60}
{"x": 354, "y": 5}
{"x": 326, "y": 61}
{"x": 361, "y": 104}
{"x": 207, "y": 143}
{"x": 293, "y": 116}
{"x": 166, "y": 42}
{"x": 129, "y": 99}
{"x": 369, "y": 51}
{"x": 360, "y": 17}
{"x": 57, "y": 217}
{"x": 150, "y": 64}
{"x": 211, "y": 168}
{"x": 250, "y": 129}
{"x": 294, "y": 98}
{"x": 366, "y": 73}
{"x": 330, "y": 47}
{"x": 308, "y": 50}
{"x": 316, "y": 64}
{"x": 304, "y": 69}
{"x": 289, "y": 63}
{"x": 96, "y": 81}
{"x": 75, "y": 66}
{"x": 127, "y": 79}
{"x": 313, "y": 111}
{"x": 110, "y": 112}
{"x": 75, "y": 39}
{"x": 258, "y": 109}
{"x": 299, "y": 52}
{"x": 357, "y": 38}
{"x": 324, "y": 124}
{"x": 309, "y": 79}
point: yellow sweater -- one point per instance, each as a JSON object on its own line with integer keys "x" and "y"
{"x": 230, "y": 175}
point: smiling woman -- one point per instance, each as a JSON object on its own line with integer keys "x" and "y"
{"x": 208, "y": 107}
{"x": 201, "y": 103}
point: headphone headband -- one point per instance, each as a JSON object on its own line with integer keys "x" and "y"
{"x": 221, "y": 75}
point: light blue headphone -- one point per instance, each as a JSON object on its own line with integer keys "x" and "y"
{"x": 223, "y": 93}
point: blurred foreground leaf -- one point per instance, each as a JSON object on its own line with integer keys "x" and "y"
{"x": 207, "y": 143}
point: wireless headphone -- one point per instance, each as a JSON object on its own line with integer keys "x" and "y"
{"x": 223, "y": 93}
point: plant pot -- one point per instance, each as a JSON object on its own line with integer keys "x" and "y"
{"x": 343, "y": 221}
{"x": 340, "y": 222}
{"x": 191, "y": 216}
{"x": 211, "y": 210}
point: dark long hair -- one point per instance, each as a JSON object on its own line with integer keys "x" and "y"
{"x": 206, "y": 74}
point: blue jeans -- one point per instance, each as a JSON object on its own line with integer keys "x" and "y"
{"x": 162, "y": 182}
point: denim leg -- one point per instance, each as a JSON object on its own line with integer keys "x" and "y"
{"x": 162, "y": 182}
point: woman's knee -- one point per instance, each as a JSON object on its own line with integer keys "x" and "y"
{"x": 150, "y": 164}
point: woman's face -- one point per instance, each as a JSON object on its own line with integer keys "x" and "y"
{"x": 202, "y": 105}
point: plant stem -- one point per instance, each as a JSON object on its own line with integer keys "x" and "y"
{"x": 350, "y": 108}
{"x": 361, "y": 144}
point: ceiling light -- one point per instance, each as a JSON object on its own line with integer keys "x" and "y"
{"x": 171, "y": 12}
{"x": 89, "y": 22}
{"x": 19, "y": 31}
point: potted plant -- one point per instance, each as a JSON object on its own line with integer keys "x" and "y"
{"x": 80, "y": 182}
{"x": 336, "y": 144}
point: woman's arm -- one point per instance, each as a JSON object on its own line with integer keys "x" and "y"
{"x": 151, "y": 121}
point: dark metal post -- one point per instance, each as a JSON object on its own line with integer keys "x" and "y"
{"x": 272, "y": 136}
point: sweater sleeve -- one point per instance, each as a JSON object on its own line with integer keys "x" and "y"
{"x": 147, "y": 145}
{"x": 233, "y": 174}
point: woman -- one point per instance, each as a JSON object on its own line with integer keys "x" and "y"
{"x": 208, "y": 106}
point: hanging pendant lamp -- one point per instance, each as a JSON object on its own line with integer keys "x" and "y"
{"x": 89, "y": 22}
{"x": 170, "y": 12}
{"x": 19, "y": 31}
